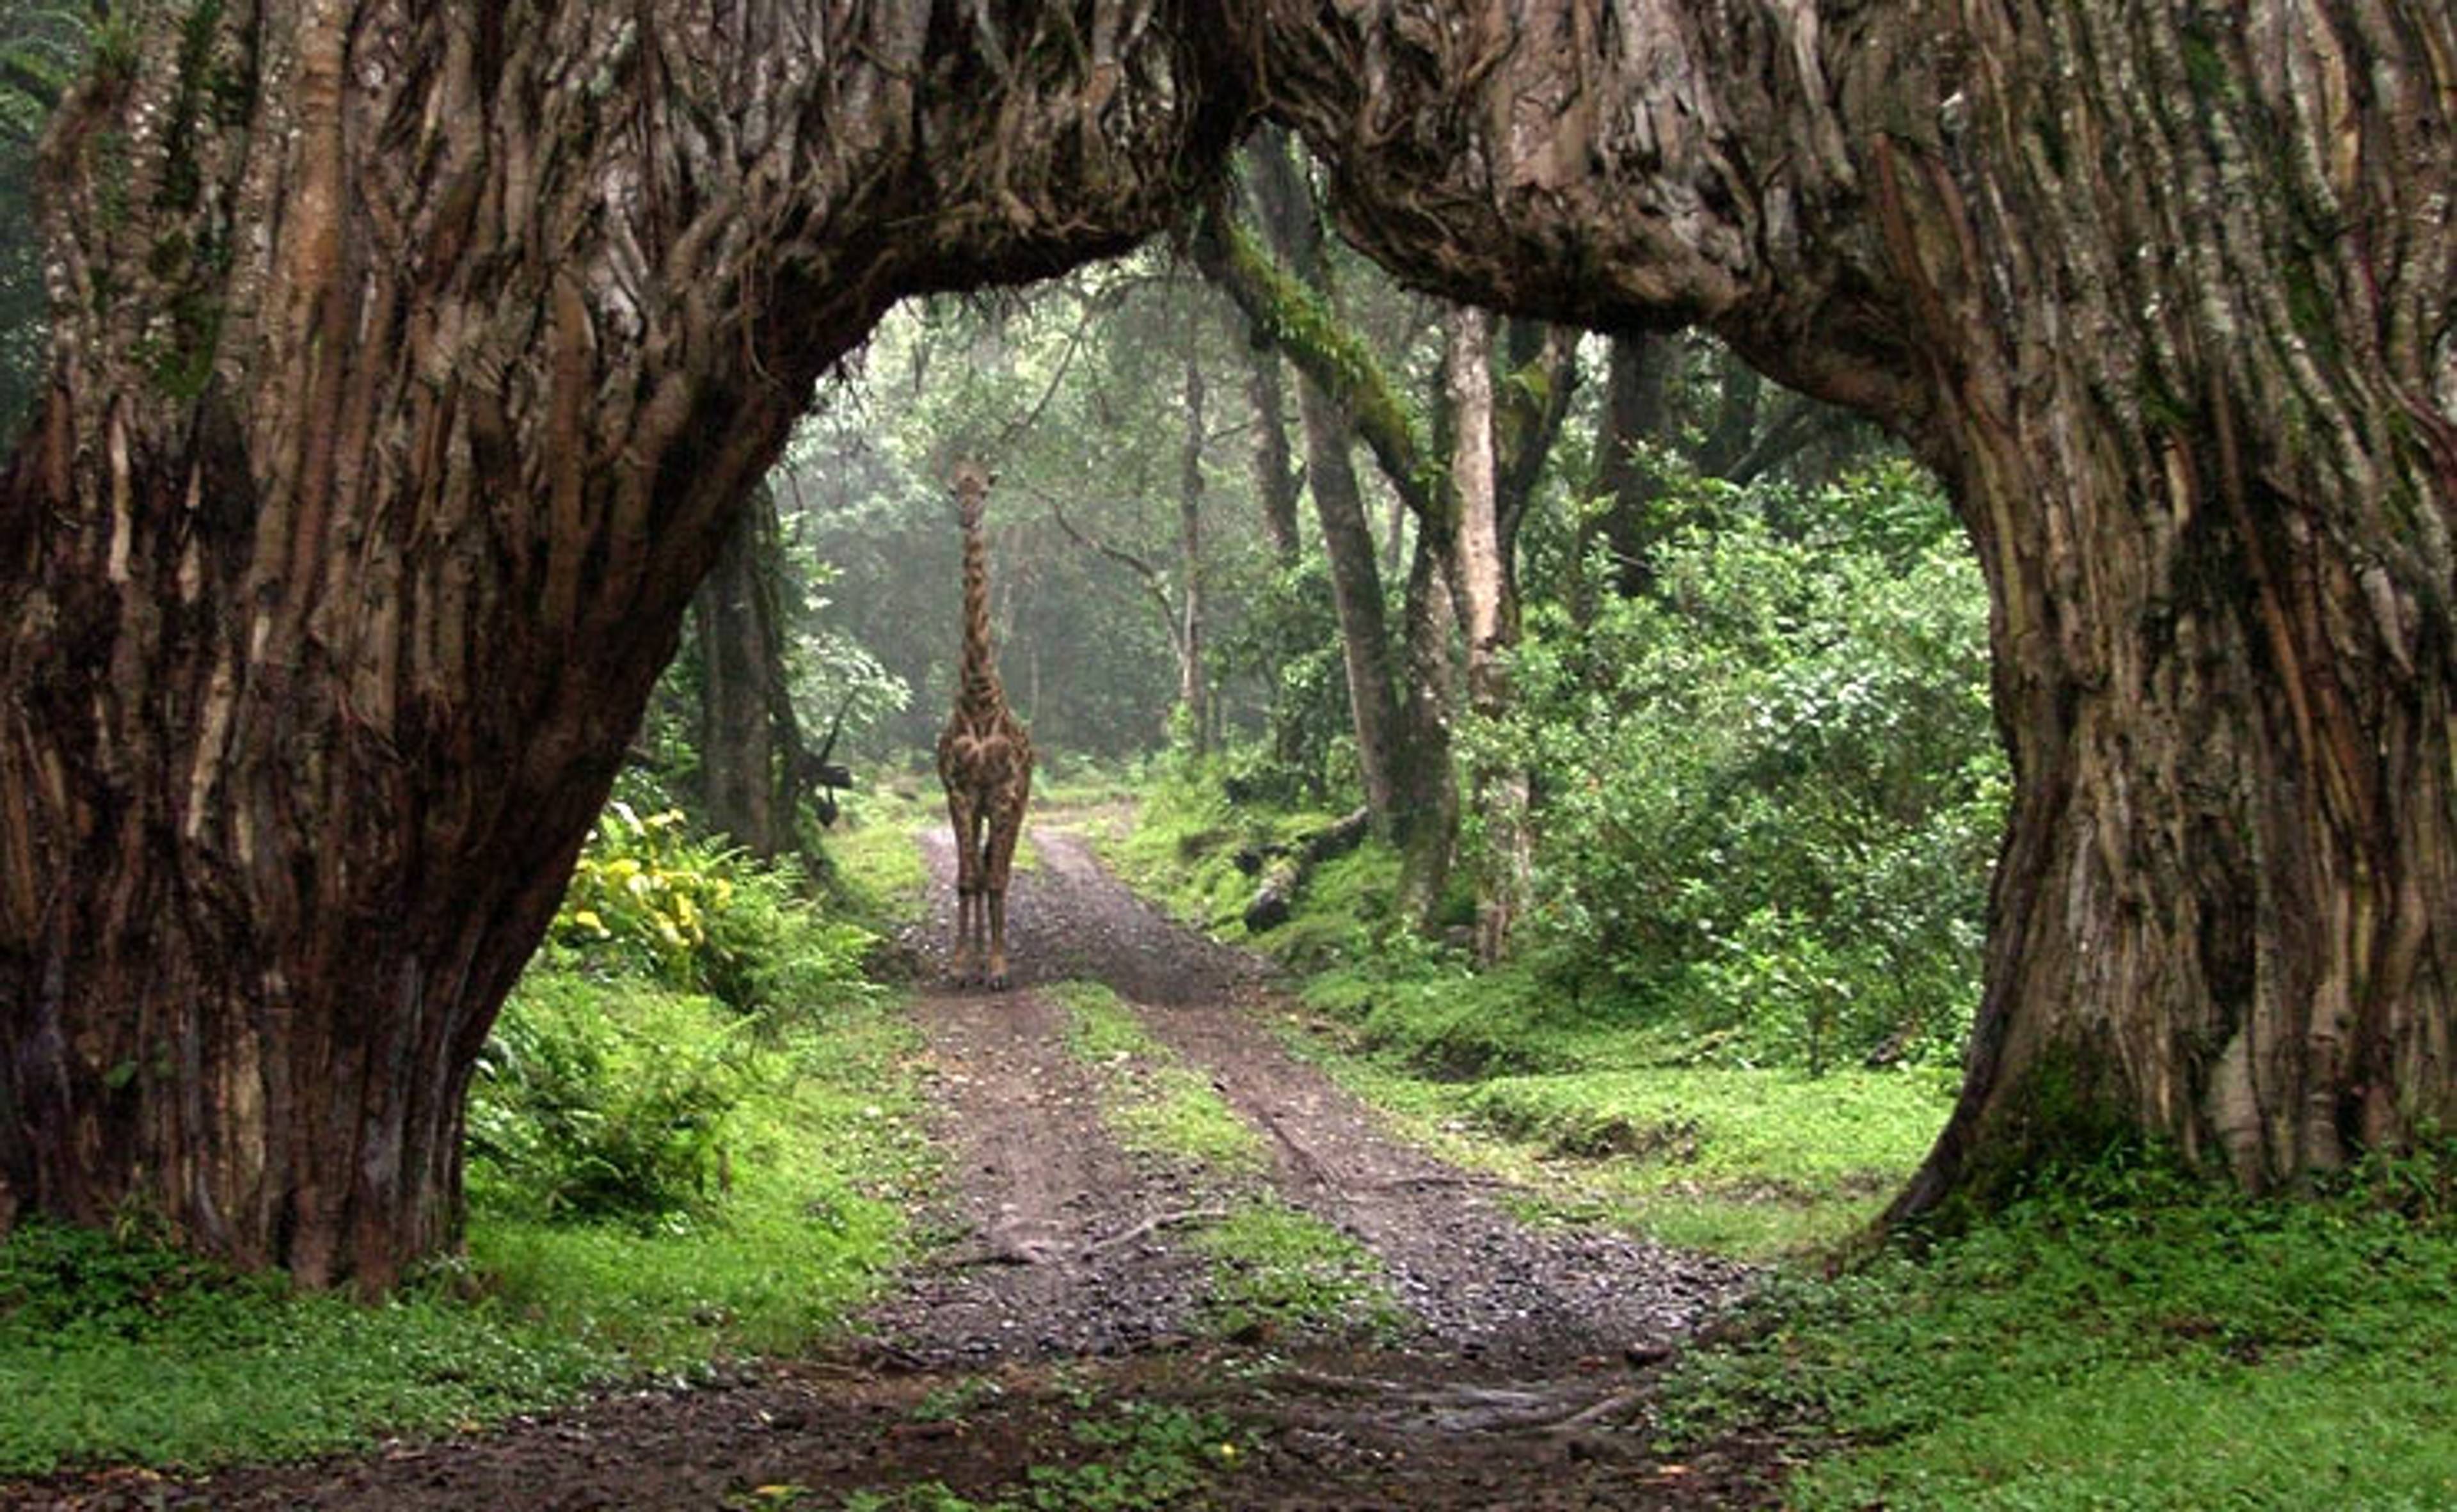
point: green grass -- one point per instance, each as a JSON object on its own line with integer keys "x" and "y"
{"x": 124, "y": 1352}
{"x": 1757, "y": 1165}
{"x": 2119, "y": 1344}
{"x": 1182, "y": 850}
{"x": 825, "y": 1157}
{"x": 1155, "y": 1105}
{"x": 114, "y": 1351}
{"x": 1274, "y": 1265}
{"x": 872, "y": 859}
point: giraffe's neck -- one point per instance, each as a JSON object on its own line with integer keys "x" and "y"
{"x": 977, "y": 686}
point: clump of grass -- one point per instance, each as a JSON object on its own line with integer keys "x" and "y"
{"x": 1274, "y": 1266}
{"x": 825, "y": 1151}
{"x": 119, "y": 1349}
{"x": 2127, "y": 1341}
{"x": 1156, "y": 1104}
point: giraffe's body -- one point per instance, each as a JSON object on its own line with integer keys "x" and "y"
{"x": 985, "y": 763}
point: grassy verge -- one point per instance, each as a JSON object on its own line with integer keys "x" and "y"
{"x": 873, "y": 863}
{"x": 1757, "y": 1165}
{"x": 2126, "y": 1342}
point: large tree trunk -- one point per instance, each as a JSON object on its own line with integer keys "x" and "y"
{"x": 409, "y": 363}
{"x": 2166, "y": 294}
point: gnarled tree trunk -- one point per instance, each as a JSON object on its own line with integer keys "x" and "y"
{"x": 2169, "y": 296}
{"x": 409, "y": 363}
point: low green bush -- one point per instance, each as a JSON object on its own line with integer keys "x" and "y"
{"x": 649, "y": 900}
{"x": 608, "y": 1098}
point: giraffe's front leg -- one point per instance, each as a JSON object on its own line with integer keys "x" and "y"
{"x": 1005, "y": 829}
{"x": 994, "y": 903}
{"x": 965, "y": 968}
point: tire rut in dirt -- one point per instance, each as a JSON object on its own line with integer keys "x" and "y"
{"x": 1049, "y": 1217}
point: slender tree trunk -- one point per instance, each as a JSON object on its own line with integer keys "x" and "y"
{"x": 1424, "y": 778}
{"x": 741, "y": 652}
{"x": 1634, "y": 419}
{"x": 1295, "y": 229}
{"x": 1488, "y": 613}
{"x": 1275, "y": 478}
{"x": 1192, "y": 689}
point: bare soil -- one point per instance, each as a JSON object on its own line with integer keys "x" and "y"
{"x": 1064, "y": 1288}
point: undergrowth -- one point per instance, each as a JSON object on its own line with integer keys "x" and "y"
{"x": 694, "y": 1135}
{"x": 2123, "y": 1340}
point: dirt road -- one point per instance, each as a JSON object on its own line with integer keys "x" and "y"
{"x": 1507, "y": 1366}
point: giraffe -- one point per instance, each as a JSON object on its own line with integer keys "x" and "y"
{"x": 984, "y": 761}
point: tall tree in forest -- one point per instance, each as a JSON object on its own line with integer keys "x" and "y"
{"x": 755, "y": 767}
{"x": 1293, "y": 224}
{"x": 413, "y": 359}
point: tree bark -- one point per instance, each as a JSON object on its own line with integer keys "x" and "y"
{"x": 410, "y": 365}
{"x": 2211, "y": 487}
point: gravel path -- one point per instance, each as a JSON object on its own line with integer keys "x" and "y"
{"x": 1520, "y": 1381}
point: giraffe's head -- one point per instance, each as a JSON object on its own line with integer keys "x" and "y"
{"x": 971, "y": 482}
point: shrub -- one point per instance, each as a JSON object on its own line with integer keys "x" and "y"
{"x": 609, "y": 1099}
{"x": 1771, "y": 791}
{"x": 697, "y": 916}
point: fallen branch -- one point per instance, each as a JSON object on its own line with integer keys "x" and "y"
{"x": 1287, "y": 869}
{"x": 1153, "y": 1225}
